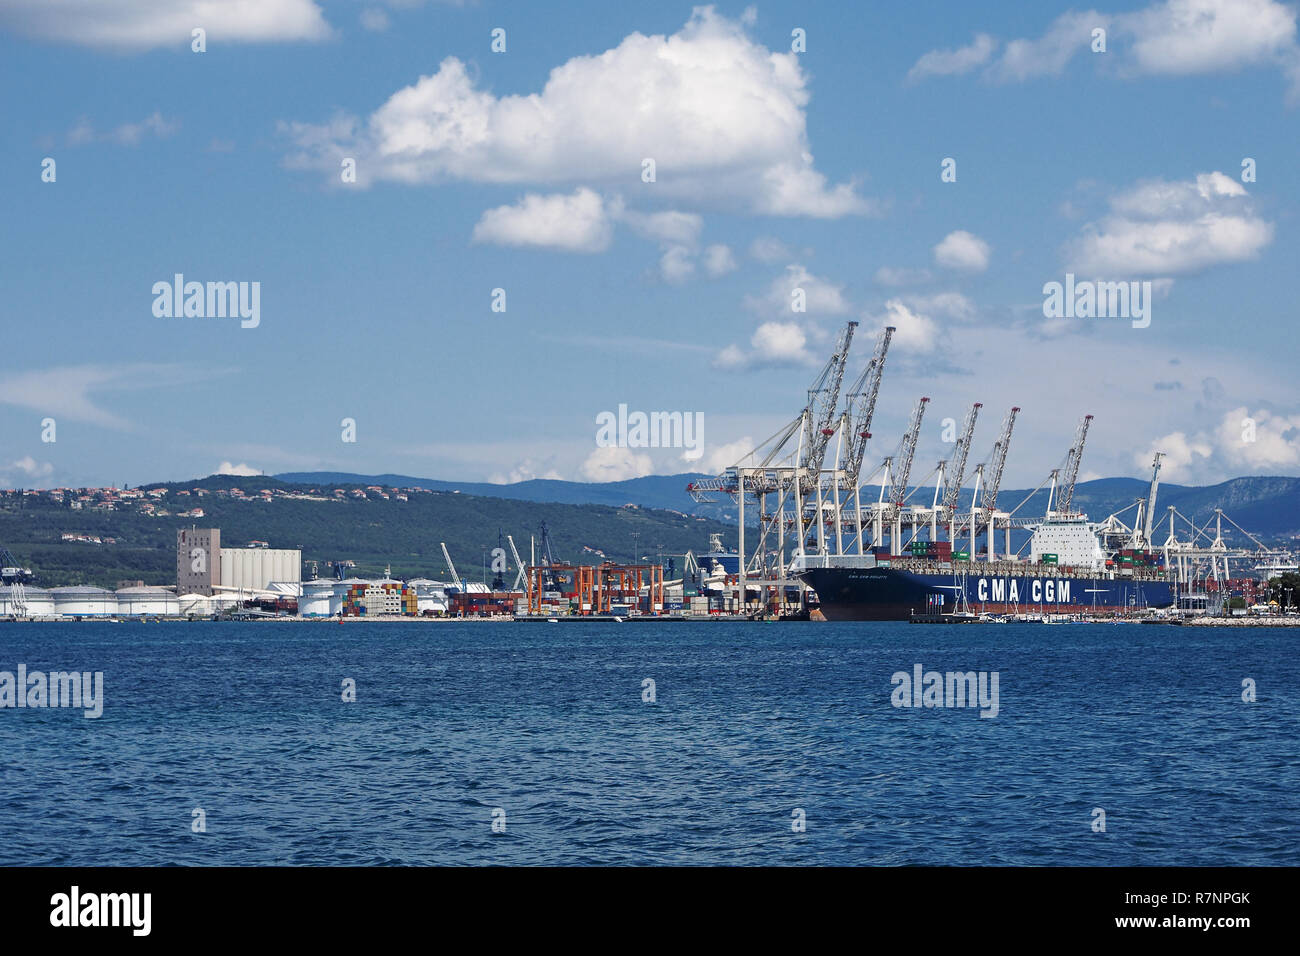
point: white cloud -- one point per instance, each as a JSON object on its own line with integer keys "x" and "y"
{"x": 716, "y": 458}
{"x": 1069, "y": 34}
{"x": 573, "y": 223}
{"x": 722, "y": 117}
{"x": 962, "y": 250}
{"x": 1166, "y": 228}
{"x": 611, "y": 463}
{"x": 769, "y": 250}
{"x": 719, "y": 260}
{"x": 1243, "y": 442}
{"x": 1259, "y": 440}
{"x": 1209, "y": 36}
{"x": 146, "y": 24}
{"x": 821, "y": 296}
{"x": 65, "y": 392}
{"x": 772, "y": 344}
{"x": 676, "y": 265}
{"x": 953, "y": 62}
{"x": 374, "y": 19}
{"x": 672, "y": 225}
{"x": 527, "y": 470}
{"x": 127, "y": 134}
{"x": 241, "y": 470}
{"x": 1172, "y": 38}
{"x": 30, "y": 468}
{"x": 895, "y": 276}
{"x": 913, "y": 331}
{"x": 951, "y": 305}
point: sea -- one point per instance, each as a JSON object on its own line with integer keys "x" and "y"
{"x": 459, "y": 743}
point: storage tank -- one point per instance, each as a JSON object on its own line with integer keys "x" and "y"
{"x": 84, "y": 601}
{"x": 37, "y": 602}
{"x": 147, "y": 602}
{"x": 197, "y": 605}
{"x": 430, "y": 595}
{"x": 317, "y": 599}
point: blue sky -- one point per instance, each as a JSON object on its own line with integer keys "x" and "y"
{"x": 522, "y": 170}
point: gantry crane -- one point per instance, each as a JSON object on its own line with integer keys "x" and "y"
{"x": 902, "y": 470}
{"x": 861, "y": 407}
{"x": 989, "y": 474}
{"x": 788, "y": 463}
{"x": 1151, "y": 500}
{"x": 957, "y": 472}
{"x": 906, "y": 452}
{"x": 1071, "y": 467}
{"x": 855, "y": 423}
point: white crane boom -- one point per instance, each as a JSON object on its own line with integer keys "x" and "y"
{"x": 1072, "y": 458}
{"x": 998, "y": 460}
{"x": 824, "y": 400}
{"x": 861, "y": 406}
{"x": 451, "y": 567}
{"x": 1151, "y": 499}
{"x": 906, "y": 451}
{"x": 955, "y": 475}
{"x": 519, "y": 563}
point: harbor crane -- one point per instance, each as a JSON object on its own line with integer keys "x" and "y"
{"x": 957, "y": 472}
{"x": 811, "y": 429}
{"x": 823, "y": 401}
{"x": 788, "y": 463}
{"x": 855, "y": 422}
{"x": 451, "y": 567}
{"x": 520, "y": 574}
{"x": 1151, "y": 500}
{"x": 1073, "y": 457}
{"x": 902, "y": 471}
{"x": 906, "y": 452}
{"x": 989, "y": 475}
{"x": 861, "y": 407}
{"x": 998, "y": 460}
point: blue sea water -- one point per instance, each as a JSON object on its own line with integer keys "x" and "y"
{"x": 750, "y": 722}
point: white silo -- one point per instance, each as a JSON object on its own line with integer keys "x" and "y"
{"x": 84, "y": 601}
{"x": 25, "y": 602}
{"x": 147, "y": 602}
{"x": 317, "y": 599}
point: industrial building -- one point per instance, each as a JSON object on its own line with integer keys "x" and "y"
{"x": 204, "y": 567}
{"x": 198, "y": 565}
{"x": 256, "y": 569}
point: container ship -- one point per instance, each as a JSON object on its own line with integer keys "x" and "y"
{"x": 1067, "y": 573}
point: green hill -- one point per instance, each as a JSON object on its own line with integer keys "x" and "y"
{"x": 373, "y": 532}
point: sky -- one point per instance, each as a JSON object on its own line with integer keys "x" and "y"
{"x": 463, "y": 257}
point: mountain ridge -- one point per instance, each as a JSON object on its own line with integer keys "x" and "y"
{"x": 1266, "y": 505}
